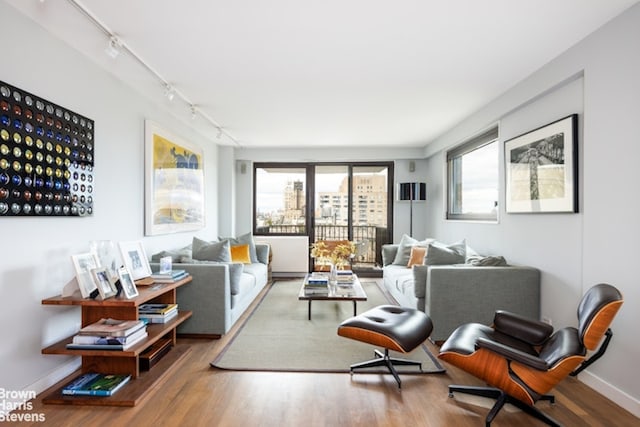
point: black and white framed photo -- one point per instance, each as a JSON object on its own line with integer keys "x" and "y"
{"x": 135, "y": 259}
{"x": 128, "y": 286}
{"x": 542, "y": 169}
{"x": 101, "y": 278}
{"x": 83, "y": 264}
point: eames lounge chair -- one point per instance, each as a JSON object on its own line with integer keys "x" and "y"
{"x": 523, "y": 359}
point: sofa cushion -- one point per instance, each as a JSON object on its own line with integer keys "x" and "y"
{"x": 439, "y": 254}
{"x": 240, "y": 253}
{"x": 404, "y": 249}
{"x": 211, "y": 251}
{"x": 245, "y": 239}
{"x": 176, "y": 255}
{"x": 417, "y": 256}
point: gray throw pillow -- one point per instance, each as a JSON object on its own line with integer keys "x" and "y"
{"x": 245, "y": 239}
{"x": 176, "y": 255}
{"x": 211, "y": 251}
{"x": 488, "y": 261}
{"x": 438, "y": 254}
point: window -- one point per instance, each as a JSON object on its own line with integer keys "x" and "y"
{"x": 281, "y": 199}
{"x": 472, "y": 178}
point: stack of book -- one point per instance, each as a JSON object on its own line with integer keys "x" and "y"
{"x": 170, "y": 277}
{"x": 316, "y": 284}
{"x": 344, "y": 277}
{"x": 109, "y": 334}
{"x": 94, "y": 384}
{"x": 157, "y": 313}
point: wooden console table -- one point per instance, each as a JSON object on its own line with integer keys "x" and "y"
{"x": 121, "y": 362}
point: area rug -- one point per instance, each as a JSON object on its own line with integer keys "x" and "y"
{"x": 279, "y": 337}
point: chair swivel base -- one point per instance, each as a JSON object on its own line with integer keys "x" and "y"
{"x": 501, "y": 399}
{"x": 383, "y": 359}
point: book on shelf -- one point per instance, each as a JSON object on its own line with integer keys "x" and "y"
{"x": 159, "y": 318}
{"x": 111, "y": 345}
{"x": 112, "y": 327}
{"x": 94, "y": 384}
{"x": 150, "y": 308}
{"x": 170, "y": 277}
{"x": 101, "y": 339}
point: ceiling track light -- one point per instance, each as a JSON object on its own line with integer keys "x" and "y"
{"x": 194, "y": 112}
{"x": 117, "y": 46}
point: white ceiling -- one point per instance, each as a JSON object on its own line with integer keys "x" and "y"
{"x": 291, "y": 73}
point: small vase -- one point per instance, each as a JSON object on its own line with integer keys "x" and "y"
{"x": 333, "y": 273}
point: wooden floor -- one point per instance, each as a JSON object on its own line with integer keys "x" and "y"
{"x": 198, "y": 395}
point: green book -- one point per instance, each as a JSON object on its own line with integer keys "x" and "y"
{"x": 94, "y": 384}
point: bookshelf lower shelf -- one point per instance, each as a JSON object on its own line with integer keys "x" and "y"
{"x": 132, "y": 393}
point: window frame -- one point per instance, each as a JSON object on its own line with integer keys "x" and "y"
{"x": 453, "y": 170}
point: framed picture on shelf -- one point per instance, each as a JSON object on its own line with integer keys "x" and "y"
{"x": 102, "y": 280}
{"x": 128, "y": 286}
{"x": 174, "y": 183}
{"x": 83, "y": 264}
{"x": 135, "y": 259}
{"x": 542, "y": 169}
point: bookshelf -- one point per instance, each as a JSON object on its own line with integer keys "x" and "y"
{"x": 121, "y": 362}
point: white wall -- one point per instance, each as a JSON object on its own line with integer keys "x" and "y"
{"x": 35, "y": 251}
{"x": 599, "y": 80}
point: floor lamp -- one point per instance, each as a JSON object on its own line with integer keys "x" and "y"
{"x": 412, "y": 191}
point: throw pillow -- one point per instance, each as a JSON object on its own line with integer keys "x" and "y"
{"x": 240, "y": 253}
{"x": 245, "y": 239}
{"x": 488, "y": 261}
{"x": 438, "y": 254}
{"x": 211, "y": 251}
{"x": 417, "y": 256}
{"x": 404, "y": 249}
{"x": 235, "y": 271}
{"x": 176, "y": 255}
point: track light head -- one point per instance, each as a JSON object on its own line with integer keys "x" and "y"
{"x": 113, "y": 48}
{"x": 169, "y": 92}
{"x": 194, "y": 112}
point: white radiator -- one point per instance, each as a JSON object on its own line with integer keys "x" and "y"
{"x": 290, "y": 254}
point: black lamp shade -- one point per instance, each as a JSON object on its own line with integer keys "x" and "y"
{"x": 412, "y": 191}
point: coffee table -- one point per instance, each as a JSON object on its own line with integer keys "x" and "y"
{"x": 342, "y": 292}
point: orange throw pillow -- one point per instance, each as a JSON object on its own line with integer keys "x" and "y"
{"x": 417, "y": 256}
{"x": 240, "y": 253}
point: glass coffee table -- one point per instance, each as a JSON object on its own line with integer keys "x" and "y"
{"x": 334, "y": 292}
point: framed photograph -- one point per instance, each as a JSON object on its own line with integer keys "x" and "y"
{"x": 83, "y": 264}
{"x": 135, "y": 259}
{"x": 174, "y": 183}
{"x": 128, "y": 286}
{"x": 542, "y": 169}
{"x": 101, "y": 278}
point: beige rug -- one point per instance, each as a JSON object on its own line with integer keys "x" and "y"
{"x": 278, "y": 337}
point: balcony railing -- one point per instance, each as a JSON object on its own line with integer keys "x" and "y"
{"x": 368, "y": 238}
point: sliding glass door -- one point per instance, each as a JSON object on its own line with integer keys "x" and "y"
{"x": 347, "y": 201}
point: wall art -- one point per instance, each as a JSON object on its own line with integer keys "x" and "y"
{"x": 174, "y": 183}
{"x": 46, "y": 157}
{"x": 542, "y": 169}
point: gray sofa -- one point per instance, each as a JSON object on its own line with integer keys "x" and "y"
{"x": 219, "y": 293}
{"x": 461, "y": 293}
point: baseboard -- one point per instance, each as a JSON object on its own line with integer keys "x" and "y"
{"x": 610, "y": 392}
{"x": 56, "y": 376}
